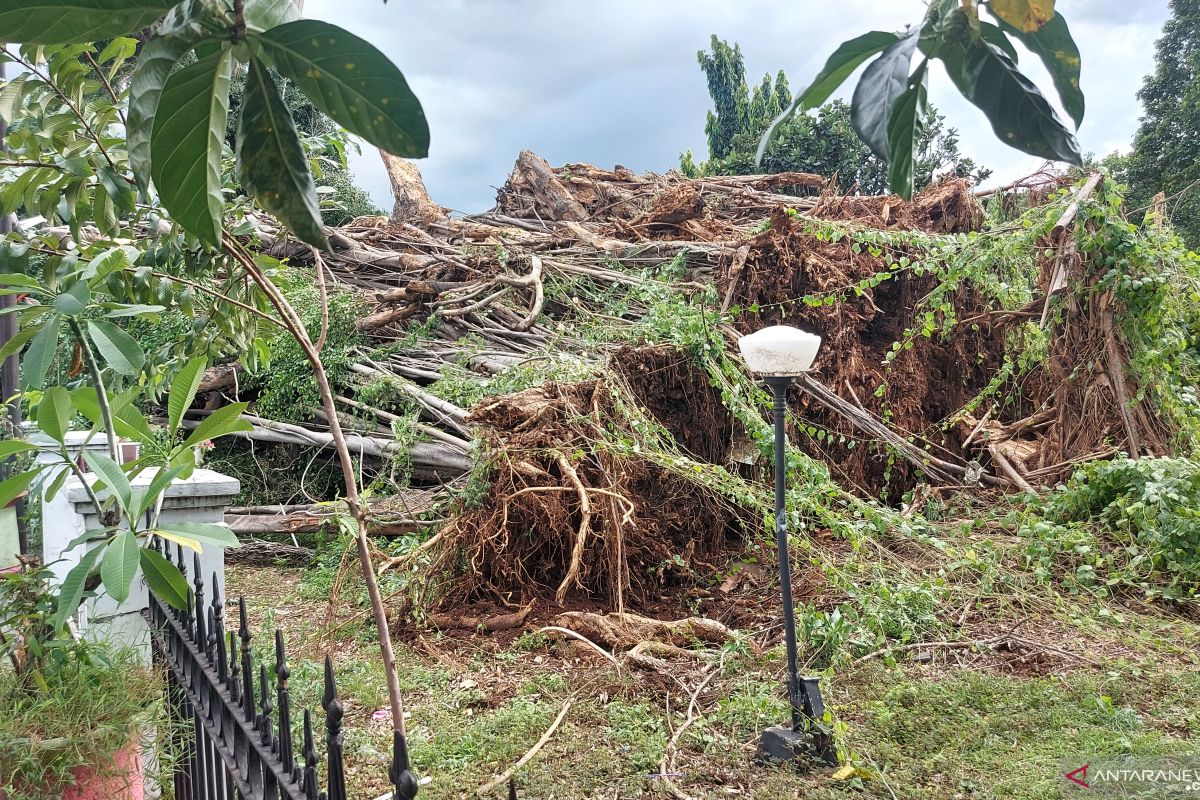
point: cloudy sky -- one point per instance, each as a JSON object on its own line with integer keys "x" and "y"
{"x": 616, "y": 81}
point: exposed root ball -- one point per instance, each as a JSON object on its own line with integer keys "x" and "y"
{"x": 565, "y": 516}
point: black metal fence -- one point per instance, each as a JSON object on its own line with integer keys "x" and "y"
{"x": 232, "y": 722}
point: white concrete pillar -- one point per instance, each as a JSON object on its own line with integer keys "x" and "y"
{"x": 59, "y": 523}
{"x": 201, "y": 498}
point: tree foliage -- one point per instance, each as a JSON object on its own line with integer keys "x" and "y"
{"x": 325, "y": 142}
{"x": 889, "y": 111}
{"x": 824, "y": 143}
{"x": 1166, "y": 149}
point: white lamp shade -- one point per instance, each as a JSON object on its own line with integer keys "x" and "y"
{"x": 779, "y": 350}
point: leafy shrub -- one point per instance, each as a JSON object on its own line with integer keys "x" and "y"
{"x": 1132, "y": 524}
{"x": 287, "y": 388}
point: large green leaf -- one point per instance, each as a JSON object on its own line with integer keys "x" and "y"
{"x": 185, "y": 148}
{"x": 73, "y": 301}
{"x": 120, "y": 564}
{"x": 271, "y": 161}
{"x": 14, "y": 345}
{"x": 264, "y": 14}
{"x": 70, "y": 593}
{"x": 351, "y": 81}
{"x": 164, "y": 579}
{"x": 904, "y": 132}
{"x": 113, "y": 477}
{"x": 1020, "y": 116}
{"x": 154, "y": 64}
{"x": 11, "y": 447}
{"x": 183, "y": 390}
{"x": 40, "y": 354}
{"x": 222, "y": 421}
{"x": 880, "y": 86}
{"x": 61, "y": 21}
{"x": 149, "y": 497}
{"x": 54, "y": 413}
{"x": 120, "y": 350}
{"x": 848, "y": 56}
{"x": 203, "y": 532}
{"x": 1054, "y": 46}
{"x": 131, "y": 423}
{"x": 12, "y": 487}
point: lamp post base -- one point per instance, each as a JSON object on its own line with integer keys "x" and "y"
{"x": 803, "y": 750}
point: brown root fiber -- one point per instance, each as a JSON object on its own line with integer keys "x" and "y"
{"x": 565, "y": 516}
{"x": 926, "y": 383}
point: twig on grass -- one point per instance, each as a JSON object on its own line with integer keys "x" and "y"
{"x": 666, "y": 766}
{"x": 523, "y": 760}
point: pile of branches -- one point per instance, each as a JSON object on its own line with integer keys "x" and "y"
{"x": 566, "y": 512}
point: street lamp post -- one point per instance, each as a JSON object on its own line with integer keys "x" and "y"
{"x": 779, "y": 354}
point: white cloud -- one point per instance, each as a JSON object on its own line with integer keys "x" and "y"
{"x": 617, "y": 81}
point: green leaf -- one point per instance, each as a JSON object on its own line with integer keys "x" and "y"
{"x": 904, "y": 132}
{"x": 14, "y": 345}
{"x": 60, "y": 21}
{"x": 108, "y": 262}
{"x": 148, "y": 498}
{"x": 85, "y": 402}
{"x": 40, "y": 354}
{"x": 70, "y": 593}
{"x": 351, "y": 81}
{"x": 154, "y": 64}
{"x": 880, "y": 86}
{"x": 844, "y": 60}
{"x": 185, "y": 147}
{"x": 11, "y": 95}
{"x": 11, "y": 447}
{"x": 135, "y": 311}
{"x": 54, "y": 413}
{"x": 51, "y": 491}
{"x": 1019, "y": 114}
{"x": 993, "y": 34}
{"x": 120, "y": 564}
{"x": 113, "y": 477}
{"x": 120, "y": 350}
{"x": 16, "y": 279}
{"x": 208, "y": 532}
{"x": 220, "y": 422}
{"x": 73, "y": 301}
{"x": 271, "y": 161}
{"x": 183, "y": 391}
{"x": 129, "y": 422}
{"x": 164, "y": 579}
{"x": 12, "y": 487}
{"x": 1052, "y": 43}
{"x": 264, "y": 14}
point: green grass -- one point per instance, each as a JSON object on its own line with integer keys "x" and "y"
{"x": 980, "y": 730}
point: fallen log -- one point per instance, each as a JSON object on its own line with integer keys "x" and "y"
{"x": 311, "y": 522}
{"x": 489, "y": 624}
{"x": 269, "y": 554}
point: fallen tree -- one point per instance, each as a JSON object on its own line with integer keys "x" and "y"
{"x": 574, "y": 349}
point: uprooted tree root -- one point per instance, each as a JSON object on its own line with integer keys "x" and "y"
{"x": 565, "y": 513}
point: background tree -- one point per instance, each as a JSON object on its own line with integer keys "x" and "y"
{"x": 326, "y": 144}
{"x": 825, "y": 143}
{"x": 1166, "y": 149}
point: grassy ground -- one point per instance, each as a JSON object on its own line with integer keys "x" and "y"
{"x": 1048, "y": 685}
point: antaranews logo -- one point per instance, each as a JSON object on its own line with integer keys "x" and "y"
{"x": 1078, "y": 776}
{"x": 1165, "y": 777}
